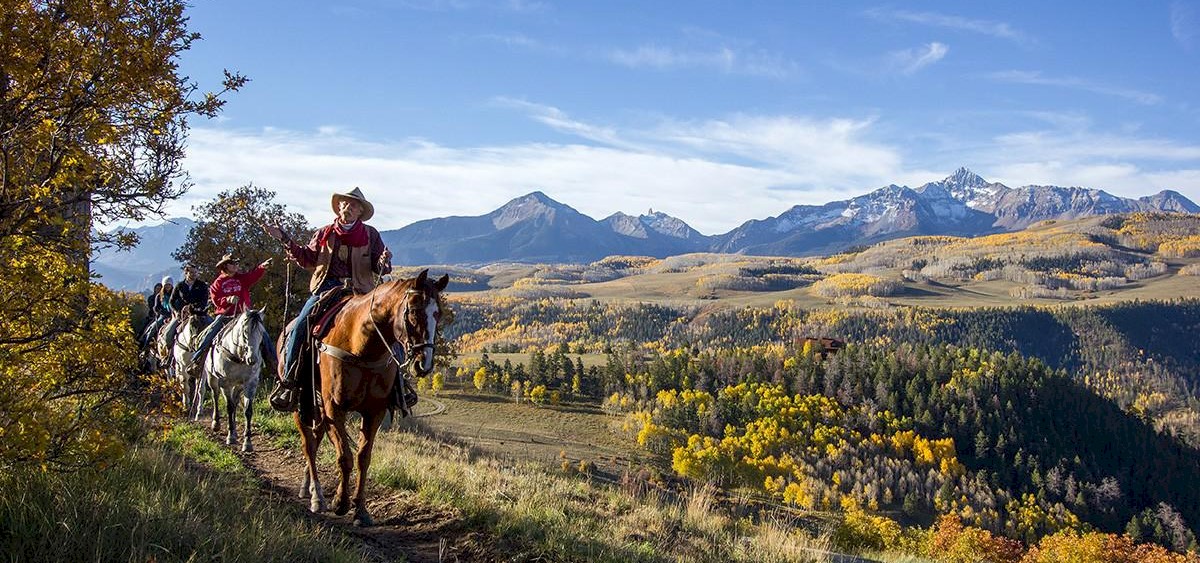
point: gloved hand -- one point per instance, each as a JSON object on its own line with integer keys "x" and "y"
{"x": 232, "y": 300}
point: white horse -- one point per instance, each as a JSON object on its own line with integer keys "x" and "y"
{"x": 233, "y": 365}
{"x": 186, "y": 340}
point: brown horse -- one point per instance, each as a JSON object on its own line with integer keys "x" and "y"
{"x": 357, "y": 369}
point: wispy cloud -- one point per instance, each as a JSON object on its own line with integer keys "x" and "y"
{"x": 909, "y": 61}
{"x": 1074, "y": 154}
{"x": 999, "y": 30}
{"x": 560, "y": 121}
{"x": 1185, "y": 24}
{"x": 690, "y": 169}
{"x": 461, "y": 5}
{"x": 725, "y": 59}
{"x": 1036, "y": 78}
{"x": 514, "y": 40}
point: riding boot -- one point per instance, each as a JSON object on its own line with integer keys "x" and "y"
{"x": 397, "y": 398}
{"x": 286, "y": 396}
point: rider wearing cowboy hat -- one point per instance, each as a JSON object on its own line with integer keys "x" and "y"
{"x": 344, "y": 252}
{"x": 230, "y": 294}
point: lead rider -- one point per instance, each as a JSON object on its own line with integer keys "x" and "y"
{"x": 345, "y": 252}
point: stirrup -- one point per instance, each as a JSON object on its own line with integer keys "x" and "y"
{"x": 283, "y": 399}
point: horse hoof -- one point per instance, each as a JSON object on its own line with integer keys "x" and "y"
{"x": 247, "y": 447}
{"x": 363, "y": 520}
{"x": 215, "y": 426}
{"x": 317, "y": 507}
{"x": 229, "y": 440}
{"x": 341, "y": 508}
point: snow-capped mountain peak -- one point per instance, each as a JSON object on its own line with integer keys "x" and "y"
{"x": 969, "y": 188}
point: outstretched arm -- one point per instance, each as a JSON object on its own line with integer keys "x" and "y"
{"x": 305, "y": 256}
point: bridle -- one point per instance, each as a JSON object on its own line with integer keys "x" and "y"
{"x": 412, "y": 352}
{"x": 248, "y": 357}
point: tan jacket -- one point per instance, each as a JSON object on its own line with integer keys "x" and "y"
{"x": 363, "y": 277}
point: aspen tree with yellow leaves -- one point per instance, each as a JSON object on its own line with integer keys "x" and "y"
{"x": 93, "y": 123}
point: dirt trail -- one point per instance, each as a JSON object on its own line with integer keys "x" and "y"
{"x": 406, "y": 528}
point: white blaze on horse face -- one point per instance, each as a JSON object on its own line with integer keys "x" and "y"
{"x": 431, "y": 310}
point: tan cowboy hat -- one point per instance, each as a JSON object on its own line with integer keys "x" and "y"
{"x": 226, "y": 259}
{"x": 357, "y": 195}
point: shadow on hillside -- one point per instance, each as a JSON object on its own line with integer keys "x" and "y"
{"x": 479, "y": 398}
{"x": 909, "y": 291}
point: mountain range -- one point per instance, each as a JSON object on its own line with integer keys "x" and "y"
{"x": 536, "y": 228}
{"x": 139, "y": 268}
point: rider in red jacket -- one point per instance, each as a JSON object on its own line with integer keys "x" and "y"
{"x": 230, "y": 294}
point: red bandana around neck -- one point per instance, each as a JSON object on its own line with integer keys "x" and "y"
{"x": 354, "y": 234}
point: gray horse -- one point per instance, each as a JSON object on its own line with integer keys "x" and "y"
{"x": 232, "y": 366}
{"x": 186, "y": 341}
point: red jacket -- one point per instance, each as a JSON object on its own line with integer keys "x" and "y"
{"x": 225, "y": 287}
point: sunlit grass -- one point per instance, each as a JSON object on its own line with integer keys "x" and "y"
{"x": 154, "y": 506}
{"x": 534, "y": 512}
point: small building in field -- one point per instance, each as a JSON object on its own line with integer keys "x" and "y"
{"x": 824, "y": 346}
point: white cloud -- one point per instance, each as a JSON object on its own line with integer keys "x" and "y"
{"x": 411, "y": 181}
{"x": 1184, "y": 24}
{"x": 1037, "y": 79}
{"x": 999, "y": 30}
{"x": 723, "y": 59}
{"x": 909, "y": 61}
{"x": 1124, "y": 165}
{"x": 714, "y": 174}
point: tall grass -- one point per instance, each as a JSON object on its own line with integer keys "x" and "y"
{"x": 535, "y": 513}
{"x": 153, "y": 506}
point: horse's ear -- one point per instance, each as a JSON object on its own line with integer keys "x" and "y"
{"x": 421, "y": 277}
{"x": 442, "y": 282}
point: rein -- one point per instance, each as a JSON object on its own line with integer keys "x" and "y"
{"x": 410, "y": 352}
{"x": 225, "y": 351}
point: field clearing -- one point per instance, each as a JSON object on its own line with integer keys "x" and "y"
{"x": 501, "y": 427}
{"x": 589, "y": 360}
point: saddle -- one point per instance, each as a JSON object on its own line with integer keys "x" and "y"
{"x": 326, "y": 309}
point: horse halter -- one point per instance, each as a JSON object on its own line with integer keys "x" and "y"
{"x": 255, "y": 321}
{"x": 411, "y": 350}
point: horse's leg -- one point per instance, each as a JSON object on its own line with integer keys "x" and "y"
{"x": 248, "y": 409}
{"x": 231, "y": 401}
{"x": 216, "y": 392}
{"x": 201, "y": 385}
{"x": 310, "y": 439}
{"x": 341, "y": 442}
{"x": 366, "y": 443}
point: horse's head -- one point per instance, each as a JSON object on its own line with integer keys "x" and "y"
{"x": 245, "y": 335}
{"x": 416, "y": 314}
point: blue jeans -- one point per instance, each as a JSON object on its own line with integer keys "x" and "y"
{"x": 291, "y": 352}
{"x": 210, "y": 334}
{"x": 266, "y": 347}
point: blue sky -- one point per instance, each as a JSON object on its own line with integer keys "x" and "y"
{"x": 714, "y": 112}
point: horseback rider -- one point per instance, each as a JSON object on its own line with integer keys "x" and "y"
{"x": 191, "y": 291}
{"x": 230, "y": 294}
{"x": 150, "y": 315}
{"x": 160, "y": 308}
{"x": 346, "y": 252}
